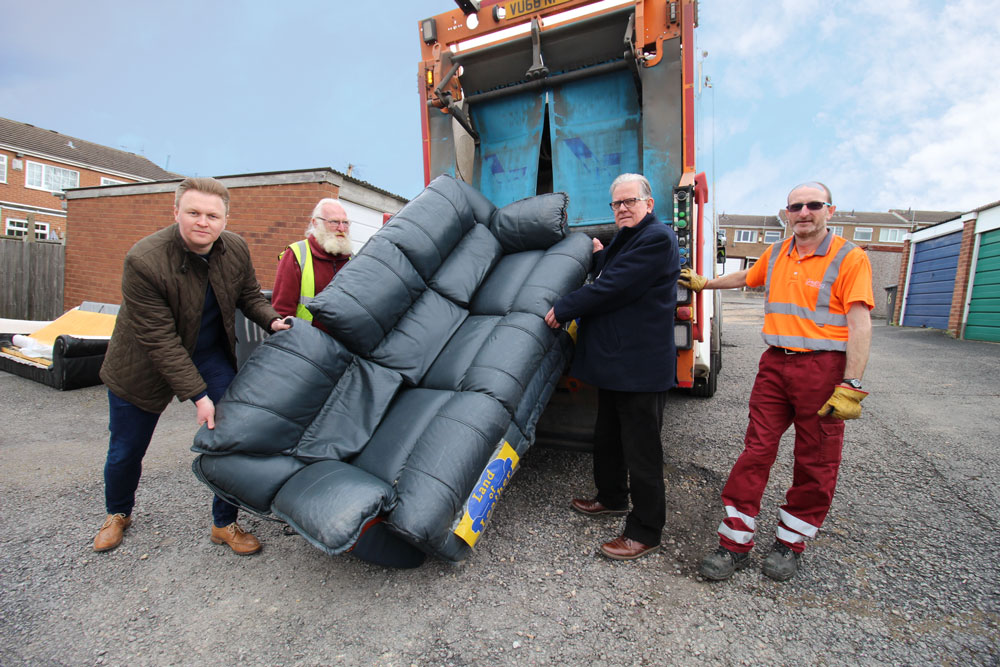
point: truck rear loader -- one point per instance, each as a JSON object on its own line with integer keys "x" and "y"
{"x": 525, "y": 97}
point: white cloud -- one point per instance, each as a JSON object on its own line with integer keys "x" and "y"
{"x": 950, "y": 162}
{"x": 760, "y": 184}
{"x": 897, "y": 101}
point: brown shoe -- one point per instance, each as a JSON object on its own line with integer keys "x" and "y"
{"x": 238, "y": 539}
{"x": 110, "y": 534}
{"x": 593, "y": 508}
{"x": 624, "y": 548}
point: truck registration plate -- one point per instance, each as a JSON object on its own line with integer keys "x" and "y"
{"x": 517, "y": 8}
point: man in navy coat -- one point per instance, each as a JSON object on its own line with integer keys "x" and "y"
{"x": 625, "y": 348}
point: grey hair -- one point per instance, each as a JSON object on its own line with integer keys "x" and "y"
{"x": 814, "y": 184}
{"x": 644, "y": 188}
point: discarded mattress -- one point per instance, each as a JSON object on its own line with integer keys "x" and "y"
{"x": 397, "y": 433}
{"x": 66, "y": 353}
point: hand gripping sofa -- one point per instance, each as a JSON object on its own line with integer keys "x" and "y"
{"x": 397, "y": 433}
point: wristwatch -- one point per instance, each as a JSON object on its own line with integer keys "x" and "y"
{"x": 854, "y": 382}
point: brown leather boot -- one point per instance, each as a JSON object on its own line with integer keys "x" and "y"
{"x": 238, "y": 539}
{"x": 110, "y": 534}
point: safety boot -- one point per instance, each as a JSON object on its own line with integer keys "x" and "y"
{"x": 722, "y": 563}
{"x": 782, "y": 563}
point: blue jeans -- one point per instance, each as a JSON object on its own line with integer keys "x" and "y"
{"x": 131, "y": 430}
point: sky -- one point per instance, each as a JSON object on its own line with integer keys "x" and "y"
{"x": 892, "y": 104}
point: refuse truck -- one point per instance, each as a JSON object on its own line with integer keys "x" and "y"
{"x": 525, "y": 97}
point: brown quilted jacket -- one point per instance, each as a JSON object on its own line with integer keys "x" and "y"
{"x": 163, "y": 293}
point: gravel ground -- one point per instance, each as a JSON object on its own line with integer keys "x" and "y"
{"x": 903, "y": 572}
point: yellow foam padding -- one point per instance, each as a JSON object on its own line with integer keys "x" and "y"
{"x": 37, "y": 361}
{"x": 79, "y": 323}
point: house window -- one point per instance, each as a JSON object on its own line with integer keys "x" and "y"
{"x": 19, "y": 229}
{"x": 746, "y": 236}
{"x": 891, "y": 235}
{"x": 16, "y": 227}
{"x": 111, "y": 181}
{"x": 3, "y": 168}
{"x": 46, "y": 177}
{"x": 772, "y": 237}
{"x": 839, "y": 231}
{"x": 862, "y": 233}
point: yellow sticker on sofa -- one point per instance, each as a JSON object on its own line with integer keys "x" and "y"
{"x": 486, "y": 493}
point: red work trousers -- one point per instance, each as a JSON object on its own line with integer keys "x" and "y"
{"x": 789, "y": 389}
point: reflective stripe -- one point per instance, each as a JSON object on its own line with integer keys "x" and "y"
{"x": 307, "y": 285}
{"x": 786, "y": 535}
{"x": 738, "y": 536}
{"x": 733, "y": 513}
{"x": 805, "y": 313}
{"x": 815, "y": 344}
{"x": 795, "y": 523}
{"x": 821, "y": 315}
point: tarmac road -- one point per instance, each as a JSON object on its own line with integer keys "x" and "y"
{"x": 904, "y": 571}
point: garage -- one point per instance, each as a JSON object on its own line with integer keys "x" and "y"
{"x": 931, "y": 282}
{"x": 983, "y": 318}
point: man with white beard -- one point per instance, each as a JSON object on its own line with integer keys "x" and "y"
{"x": 307, "y": 266}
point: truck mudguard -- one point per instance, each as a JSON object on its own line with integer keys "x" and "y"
{"x": 411, "y": 416}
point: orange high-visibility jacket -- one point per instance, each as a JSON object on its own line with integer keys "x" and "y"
{"x": 807, "y": 297}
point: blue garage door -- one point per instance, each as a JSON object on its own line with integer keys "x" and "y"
{"x": 932, "y": 281}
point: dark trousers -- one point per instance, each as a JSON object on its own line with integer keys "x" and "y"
{"x": 131, "y": 431}
{"x": 628, "y": 460}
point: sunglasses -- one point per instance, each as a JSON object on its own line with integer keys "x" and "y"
{"x": 812, "y": 206}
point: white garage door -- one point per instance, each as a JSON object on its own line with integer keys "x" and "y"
{"x": 364, "y": 222}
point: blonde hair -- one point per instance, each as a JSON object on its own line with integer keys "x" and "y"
{"x": 209, "y": 186}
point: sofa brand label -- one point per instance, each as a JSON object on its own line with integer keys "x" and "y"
{"x": 486, "y": 493}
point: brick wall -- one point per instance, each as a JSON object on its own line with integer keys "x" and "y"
{"x": 105, "y": 228}
{"x": 904, "y": 264}
{"x": 962, "y": 278}
{"x": 885, "y": 269}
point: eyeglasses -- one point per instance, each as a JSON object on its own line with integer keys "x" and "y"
{"x": 334, "y": 223}
{"x": 629, "y": 203}
{"x": 812, "y": 206}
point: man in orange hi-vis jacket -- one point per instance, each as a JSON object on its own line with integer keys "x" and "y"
{"x": 817, "y": 324}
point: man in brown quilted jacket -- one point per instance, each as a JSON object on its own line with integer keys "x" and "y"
{"x": 175, "y": 336}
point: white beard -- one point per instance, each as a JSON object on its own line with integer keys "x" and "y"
{"x": 329, "y": 241}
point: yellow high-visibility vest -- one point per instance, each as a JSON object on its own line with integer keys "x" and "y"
{"x": 307, "y": 285}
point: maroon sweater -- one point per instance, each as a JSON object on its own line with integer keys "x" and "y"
{"x": 287, "y": 283}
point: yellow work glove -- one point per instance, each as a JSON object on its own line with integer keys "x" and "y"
{"x": 692, "y": 280}
{"x": 845, "y": 403}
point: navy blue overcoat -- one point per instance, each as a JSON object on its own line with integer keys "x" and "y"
{"x": 626, "y": 334}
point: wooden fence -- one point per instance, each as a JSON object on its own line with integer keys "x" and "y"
{"x": 31, "y": 279}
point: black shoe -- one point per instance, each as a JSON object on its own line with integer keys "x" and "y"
{"x": 721, "y": 563}
{"x": 782, "y": 563}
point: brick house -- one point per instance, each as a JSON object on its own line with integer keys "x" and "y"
{"x": 881, "y": 235}
{"x": 269, "y": 210}
{"x": 37, "y": 165}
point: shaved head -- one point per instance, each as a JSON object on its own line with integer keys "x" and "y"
{"x": 818, "y": 186}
